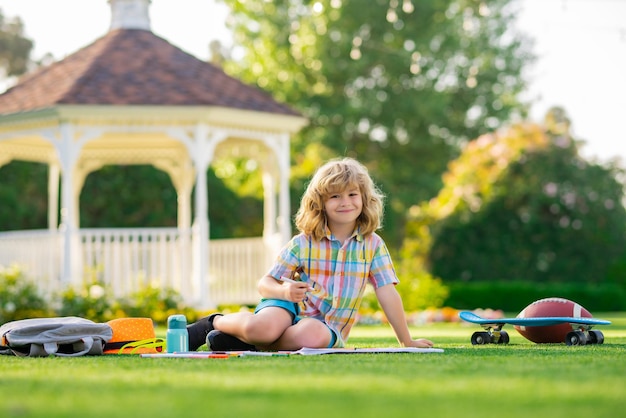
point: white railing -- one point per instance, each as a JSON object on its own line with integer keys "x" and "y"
{"x": 127, "y": 260}
{"x": 36, "y": 252}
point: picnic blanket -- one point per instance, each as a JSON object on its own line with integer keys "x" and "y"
{"x": 303, "y": 352}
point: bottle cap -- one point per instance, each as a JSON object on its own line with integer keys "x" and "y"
{"x": 177, "y": 322}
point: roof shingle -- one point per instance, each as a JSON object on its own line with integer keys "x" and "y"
{"x": 134, "y": 67}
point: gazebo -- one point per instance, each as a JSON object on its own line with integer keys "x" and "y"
{"x": 131, "y": 97}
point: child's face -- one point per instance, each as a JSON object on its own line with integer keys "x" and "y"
{"x": 343, "y": 207}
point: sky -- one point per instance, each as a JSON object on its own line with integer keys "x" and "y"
{"x": 580, "y": 45}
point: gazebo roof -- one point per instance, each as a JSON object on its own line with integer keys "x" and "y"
{"x": 134, "y": 67}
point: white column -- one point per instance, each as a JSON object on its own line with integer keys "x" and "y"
{"x": 68, "y": 153}
{"x": 53, "y": 196}
{"x": 202, "y": 154}
{"x": 183, "y": 191}
{"x": 284, "y": 210}
{"x": 269, "y": 204}
{"x": 200, "y": 240}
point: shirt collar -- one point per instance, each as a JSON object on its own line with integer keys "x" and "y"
{"x": 356, "y": 234}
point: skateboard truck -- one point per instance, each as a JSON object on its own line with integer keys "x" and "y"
{"x": 493, "y": 334}
{"x": 582, "y": 334}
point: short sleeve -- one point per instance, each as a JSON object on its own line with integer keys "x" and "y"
{"x": 382, "y": 271}
{"x": 288, "y": 259}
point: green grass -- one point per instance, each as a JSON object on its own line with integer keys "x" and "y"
{"x": 516, "y": 380}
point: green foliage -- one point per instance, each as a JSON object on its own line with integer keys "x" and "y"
{"x": 422, "y": 291}
{"x": 418, "y": 287}
{"x": 95, "y": 301}
{"x": 92, "y": 301}
{"x": 241, "y": 175}
{"x": 398, "y": 85}
{"x": 24, "y": 196}
{"x": 515, "y": 295}
{"x": 144, "y": 197}
{"x": 156, "y": 303}
{"x": 523, "y": 204}
{"x": 19, "y": 297}
{"x": 235, "y": 211}
{"x": 15, "y": 48}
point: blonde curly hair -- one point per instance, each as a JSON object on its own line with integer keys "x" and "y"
{"x": 335, "y": 177}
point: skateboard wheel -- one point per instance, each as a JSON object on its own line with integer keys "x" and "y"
{"x": 576, "y": 338}
{"x": 596, "y": 337}
{"x": 504, "y": 338}
{"x": 480, "y": 338}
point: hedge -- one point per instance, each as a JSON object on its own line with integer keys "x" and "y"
{"x": 513, "y": 296}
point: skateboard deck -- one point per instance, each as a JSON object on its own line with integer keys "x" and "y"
{"x": 494, "y": 333}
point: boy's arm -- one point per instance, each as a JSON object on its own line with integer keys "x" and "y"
{"x": 287, "y": 289}
{"x": 391, "y": 302}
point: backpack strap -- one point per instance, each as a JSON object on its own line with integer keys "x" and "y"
{"x": 86, "y": 346}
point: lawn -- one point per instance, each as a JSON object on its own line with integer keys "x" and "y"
{"x": 518, "y": 380}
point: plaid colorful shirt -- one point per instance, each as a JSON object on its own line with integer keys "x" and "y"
{"x": 338, "y": 275}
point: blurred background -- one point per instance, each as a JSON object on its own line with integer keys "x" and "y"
{"x": 494, "y": 127}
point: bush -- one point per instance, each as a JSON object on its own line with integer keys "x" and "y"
{"x": 156, "y": 303}
{"x": 92, "y": 301}
{"x": 523, "y": 203}
{"x": 19, "y": 298}
{"x": 422, "y": 291}
{"x": 513, "y": 296}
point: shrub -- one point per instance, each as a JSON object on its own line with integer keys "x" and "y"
{"x": 513, "y": 296}
{"x": 422, "y": 291}
{"x": 156, "y": 303}
{"x": 91, "y": 301}
{"x": 19, "y": 298}
{"x": 523, "y": 203}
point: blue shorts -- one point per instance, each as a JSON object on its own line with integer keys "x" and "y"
{"x": 294, "y": 309}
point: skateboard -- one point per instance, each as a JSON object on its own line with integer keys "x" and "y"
{"x": 494, "y": 334}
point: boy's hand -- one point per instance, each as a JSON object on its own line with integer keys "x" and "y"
{"x": 295, "y": 291}
{"x": 421, "y": 343}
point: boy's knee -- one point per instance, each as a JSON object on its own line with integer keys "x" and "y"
{"x": 314, "y": 334}
{"x": 264, "y": 331}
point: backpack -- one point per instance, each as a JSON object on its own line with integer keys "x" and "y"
{"x": 62, "y": 336}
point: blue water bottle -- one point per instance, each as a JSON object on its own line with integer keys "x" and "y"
{"x": 177, "y": 338}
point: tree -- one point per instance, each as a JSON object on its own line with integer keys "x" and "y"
{"x": 24, "y": 196}
{"x": 17, "y": 184}
{"x": 400, "y": 85}
{"x": 523, "y": 205}
{"x": 137, "y": 206}
{"x": 15, "y": 49}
